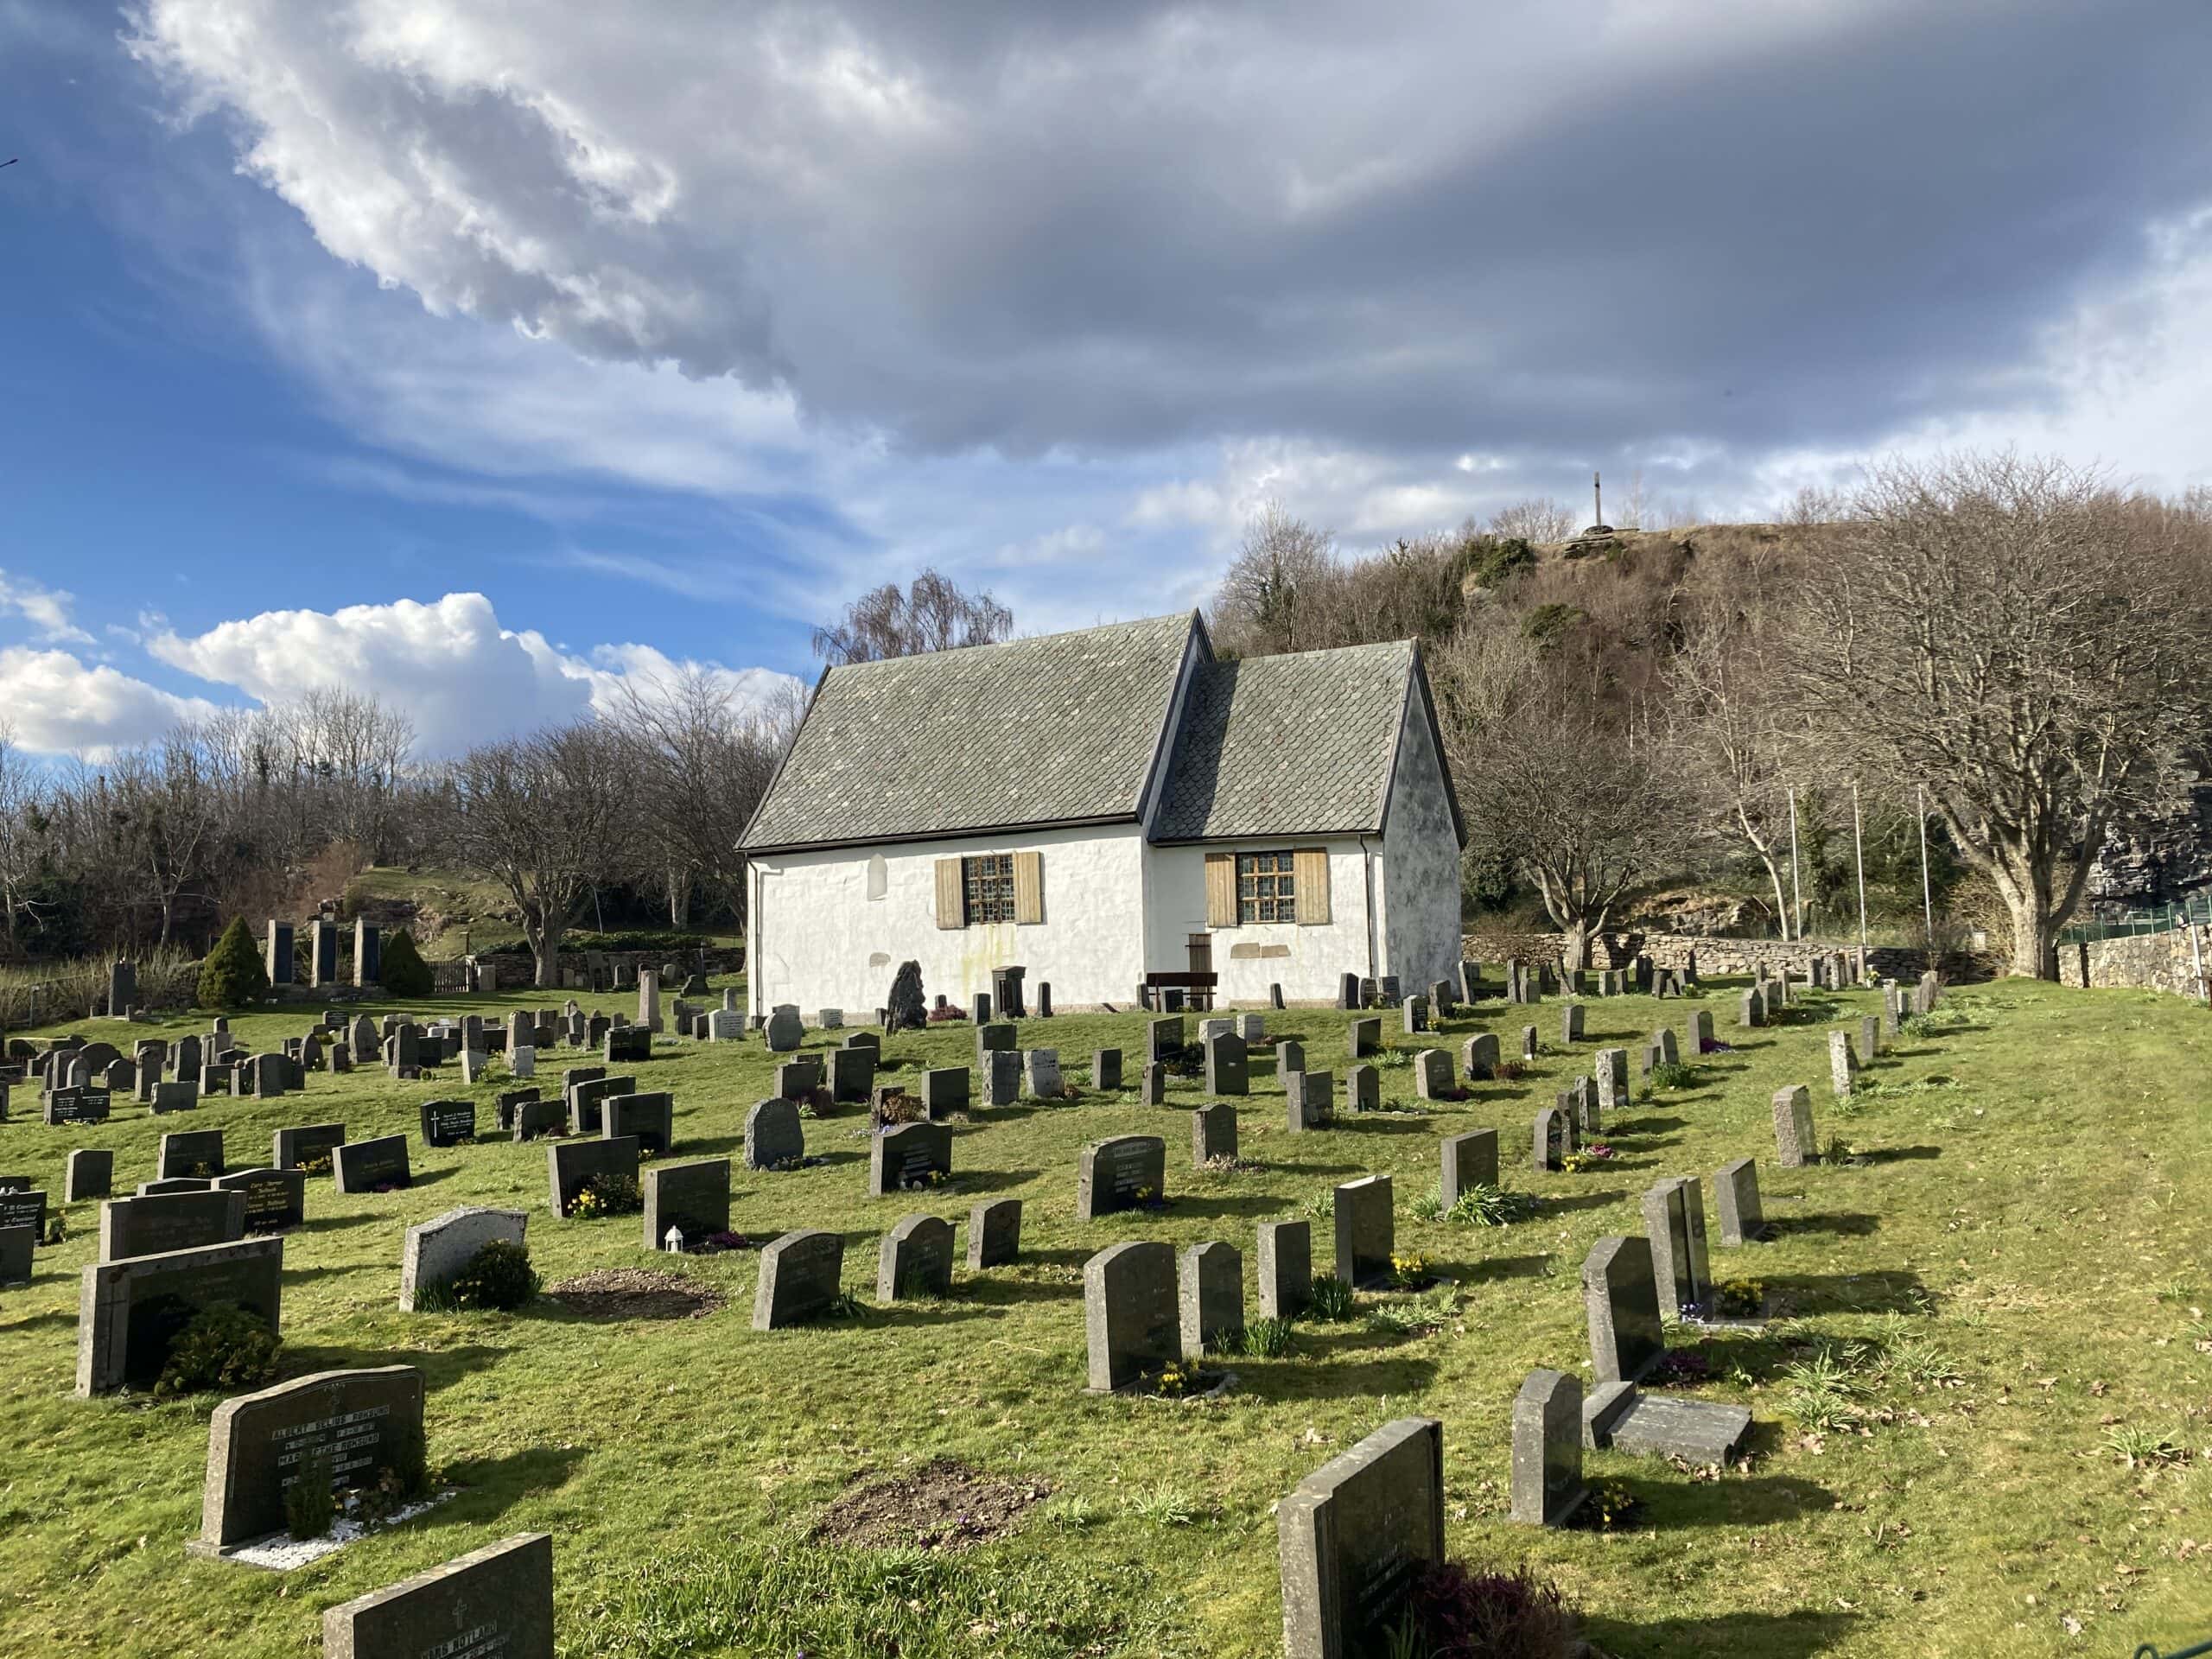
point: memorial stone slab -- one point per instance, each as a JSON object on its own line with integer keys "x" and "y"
{"x": 692, "y": 1196}
{"x": 1548, "y": 1485}
{"x": 1285, "y": 1267}
{"x": 1843, "y": 1065}
{"x": 1433, "y": 1075}
{"x": 1478, "y": 1057}
{"x": 1213, "y": 1134}
{"x": 90, "y": 1175}
{"x": 1793, "y": 1127}
{"x": 342, "y": 1427}
{"x": 1226, "y": 1070}
{"x": 570, "y": 1164}
{"x": 1621, "y": 1300}
{"x": 276, "y": 1200}
{"x": 915, "y": 1260}
{"x": 774, "y": 1135}
{"x": 1736, "y": 1192}
{"x": 994, "y": 1234}
{"x": 1041, "y": 1074}
{"x": 155, "y": 1223}
{"x": 1210, "y": 1299}
{"x": 1469, "y": 1160}
{"x": 130, "y": 1310}
{"x": 1106, "y": 1070}
{"x": 535, "y": 1118}
{"x": 190, "y": 1152}
{"x": 1124, "y": 1172}
{"x": 649, "y": 1119}
{"x": 448, "y": 1123}
{"x": 493, "y": 1603}
{"x": 370, "y": 1166}
{"x": 1366, "y": 1230}
{"x": 906, "y": 1156}
{"x": 1364, "y": 1037}
{"x": 1353, "y": 1535}
{"x": 800, "y": 1276}
{"x": 1131, "y": 1319}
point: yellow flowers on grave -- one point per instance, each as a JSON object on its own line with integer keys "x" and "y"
{"x": 1739, "y": 1298}
{"x": 1409, "y": 1267}
{"x": 1174, "y": 1381}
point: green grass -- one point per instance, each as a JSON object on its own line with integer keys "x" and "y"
{"x": 2003, "y": 1295}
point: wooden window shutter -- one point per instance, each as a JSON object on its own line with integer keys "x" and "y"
{"x": 1221, "y": 889}
{"x": 948, "y": 892}
{"x": 1028, "y": 887}
{"x": 1309, "y": 870}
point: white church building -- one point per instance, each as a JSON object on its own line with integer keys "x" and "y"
{"x": 1101, "y": 806}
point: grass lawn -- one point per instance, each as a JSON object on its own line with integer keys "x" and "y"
{"x": 2017, "y": 1268}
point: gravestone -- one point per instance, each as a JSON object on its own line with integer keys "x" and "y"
{"x": 368, "y": 955}
{"x": 570, "y": 1164}
{"x": 1366, "y": 1230}
{"x": 1226, "y": 1072}
{"x": 1674, "y": 1226}
{"x": 1793, "y": 1127}
{"x": 448, "y": 1123}
{"x": 650, "y": 1119}
{"x": 1609, "y": 1067}
{"x": 1548, "y": 1485}
{"x": 1290, "y": 1056}
{"x": 852, "y": 1074}
{"x": 1041, "y": 1072}
{"x": 1309, "y": 1097}
{"x": 1213, "y": 1134}
{"x": 1414, "y": 1015}
{"x": 156, "y": 1223}
{"x": 342, "y": 1427}
{"x": 784, "y": 1030}
{"x": 1106, "y": 1070}
{"x": 994, "y": 1234}
{"x": 1661, "y": 1051}
{"x": 906, "y": 1155}
{"x": 1353, "y": 1536}
{"x": 981, "y": 1007}
{"x": 1736, "y": 1192}
{"x": 1433, "y": 1075}
{"x": 1579, "y": 1100}
{"x": 503, "y": 1105}
{"x": 1163, "y": 1040}
{"x": 1750, "y": 1008}
{"x": 692, "y": 1196}
{"x": 587, "y": 1098}
{"x": 433, "y": 1252}
{"x": 122, "y": 990}
{"x": 1363, "y": 1089}
{"x": 276, "y": 957}
{"x": 77, "y": 1106}
{"x": 1570, "y": 1023}
{"x": 915, "y": 1260}
{"x": 1697, "y": 1034}
{"x": 1621, "y": 1299}
{"x": 1002, "y": 1078}
{"x": 190, "y": 1152}
{"x": 1125, "y": 1172}
{"x": 945, "y": 1090}
{"x": 24, "y": 1206}
{"x": 648, "y": 1020}
{"x": 1285, "y": 1267}
{"x": 1210, "y": 1299}
{"x": 906, "y": 1009}
{"x": 18, "y": 1252}
{"x": 1478, "y": 1057}
{"x": 268, "y": 1075}
{"x": 493, "y": 1603}
{"x": 1529, "y": 1046}
{"x": 1843, "y": 1065}
{"x": 798, "y": 1079}
{"x": 1469, "y": 1160}
{"x": 1152, "y": 1088}
{"x": 1131, "y": 1320}
{"x": 1870, "y": 1035}
{"x": 1253, "y": 1028}
{"x": 90, "y": 1175}
{"x": 627, "y": 1044}
{"x": 131, "y": 1310}
{"x": 800, "y": 1276}
{"x": 276, "y": 1200}
{"x": 774, "y": 1135}
{"x": 1550, "y": 1138}
{"x": 534, "y": 1118}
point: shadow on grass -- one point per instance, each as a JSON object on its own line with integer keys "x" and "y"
{"x": 1586, "y": 1200}
{"x": 1495, "y": 1268}
{"x": 441, "y": 1367}
{"x": 1383, "y": 1123}
{"x": 32, "y": 1322}
{"x": 1193, "y": 1205}
{"x": 924, "y": 1314}
{"x": 1775, "y": 1636}
{"x": 1338, "y": 1378}
{"x": 1896, "y": 1290}
{"x": 992, "y": 1180}
{"x": 329, "y": 1223}
{"x": 1636, "y": 1127}
{"x": 491, "y": 1486}
{"x": 1894, "y": 1154}
{"x": 1845, "y": 1223}
{"x": 982, "y": 1292}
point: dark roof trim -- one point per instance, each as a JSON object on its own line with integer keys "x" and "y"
{"x": 1269, "y": 838}
{"x": 1187, "y": 672}
{"x": 980, "y": 832}
{"x": 785, "y": 759}
{"x": 1417, "y": 680}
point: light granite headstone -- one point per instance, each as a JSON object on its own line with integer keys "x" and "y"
{"x": 433, "y": 1251}
{"x": 774, "y": 1135}
{"x": 800, "y": 1276}
{"x": 1366, "y": 1229}
{"x": 915, "y": 1260}
{"x": 1353, "y": 1535}
{"x": 1210, "y": 1297}
{"x": 1793, "y": 1127}
{"x": 1124, "y": 1172}
{"x": 1548, "y": 1485}
{"x": 1131, "y": 1319}
{"x": 994, "y": 1234}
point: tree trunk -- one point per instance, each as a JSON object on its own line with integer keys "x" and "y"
{"x": 1574, "y": 946}
{"x": 1780, "y": 904}
{"x": 679, "y": 897}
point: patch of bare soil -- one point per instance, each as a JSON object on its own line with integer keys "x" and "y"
{"x": 946, "y": 1504}
{"x": 635, "y": 1293}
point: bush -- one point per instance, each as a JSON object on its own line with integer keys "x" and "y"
{"x": 234, "y": 974}
{"x": 1330, "y": 1300}
{"x": 1457, "y": 1612}
{"x": 499, "y": 1276}
{"x": 607, "y": 1195}
{"x": 310, "y": 1505}
{"x": 225, "y": 1349}
{"x": 1672, "y": 1074}
{"x": 401, "y": 969}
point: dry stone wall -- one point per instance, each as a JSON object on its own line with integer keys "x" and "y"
{"x": 2156, "y": 961}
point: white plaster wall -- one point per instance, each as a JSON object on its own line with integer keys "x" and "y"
{"x": 818, "y": 941}
{"x": 1317, "y": 957}
{"x": 1420, "y": 877}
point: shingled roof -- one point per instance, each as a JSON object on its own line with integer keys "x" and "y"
{"x": 1296, "y": 745}
{"x": 1063, "y": 728}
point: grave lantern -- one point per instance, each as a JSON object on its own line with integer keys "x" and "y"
{"x": 672, "y": 1240}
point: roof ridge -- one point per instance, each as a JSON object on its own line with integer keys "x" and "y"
{"x": 1181, "y": 618}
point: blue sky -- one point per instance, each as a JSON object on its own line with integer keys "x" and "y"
{"x": 482, "y": 357}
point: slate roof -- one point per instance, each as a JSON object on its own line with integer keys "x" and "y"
{"x": 1060, "y": 728}
{"x": 1293, "y": 745}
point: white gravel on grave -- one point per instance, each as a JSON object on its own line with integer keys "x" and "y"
{"x": 282, "y": 1552}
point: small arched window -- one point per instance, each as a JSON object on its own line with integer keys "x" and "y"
{"x": 878, "y": 877}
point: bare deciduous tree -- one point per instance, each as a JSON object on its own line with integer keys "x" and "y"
{"x": 932, "y": 614}
{"x": 546, "y": 816}
{"x": 1538, "y": 518}
{"x": 2018, "y": 639}
{"x": 1269, "y": 598}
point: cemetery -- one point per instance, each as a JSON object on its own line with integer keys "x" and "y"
{"x": 1751, "y": 1385}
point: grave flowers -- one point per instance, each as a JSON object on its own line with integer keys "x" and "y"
{"x": 1588, "y": 1157}
{"x": 607, "y": 1195}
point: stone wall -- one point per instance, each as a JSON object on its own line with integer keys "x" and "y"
{"x": 2155, "y": 961}
{"x": 1714, "y": 955}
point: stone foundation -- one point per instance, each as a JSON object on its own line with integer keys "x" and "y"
{"x": 1727, "y": 958}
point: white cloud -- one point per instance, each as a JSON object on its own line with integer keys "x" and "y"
{"x": 449, "y": 666}
{"x": 56, "y": 704}
{"x": 44, "y": 609}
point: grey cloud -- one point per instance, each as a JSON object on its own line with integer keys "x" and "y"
{"x": 1527, "y": 230}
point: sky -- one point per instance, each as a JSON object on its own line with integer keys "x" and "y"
{"x": 492, "y": 355}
